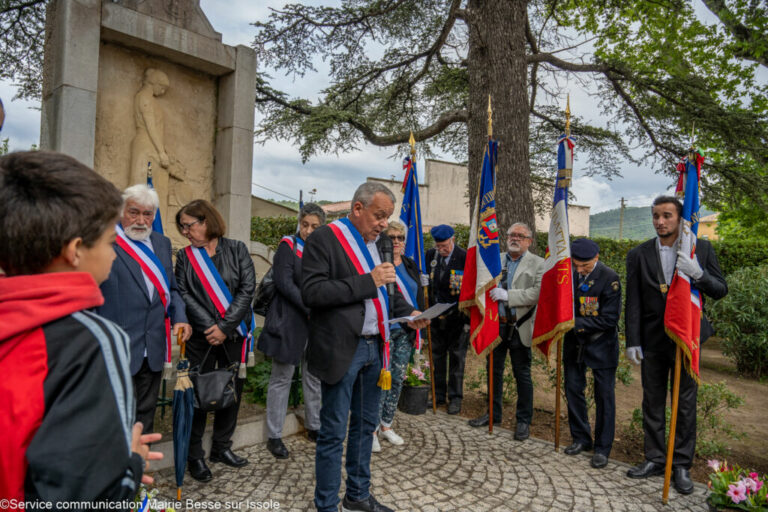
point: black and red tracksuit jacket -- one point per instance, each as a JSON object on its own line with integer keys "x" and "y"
{"x": 66, "y": 395}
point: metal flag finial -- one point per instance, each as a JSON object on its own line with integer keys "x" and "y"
{"x": 149, "y": 169}
{"x": 412, "y": 142}
{"x": 568, "y": 116}
{"x": 490, "y": 117}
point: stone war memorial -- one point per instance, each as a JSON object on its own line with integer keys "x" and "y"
{"x": 134, "y": 86}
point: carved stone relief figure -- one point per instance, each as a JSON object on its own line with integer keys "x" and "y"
{"x": 148, "y": 146}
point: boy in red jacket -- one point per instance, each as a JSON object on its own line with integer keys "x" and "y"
{"x": 67, "y": 430}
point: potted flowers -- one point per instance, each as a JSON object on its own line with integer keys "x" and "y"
{"x": 413, "y": 398}
{"x": 733, "y": 488}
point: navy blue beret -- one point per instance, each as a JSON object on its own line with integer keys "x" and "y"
{"x": 442, "y": 232}
{"x": 584, "y": 249}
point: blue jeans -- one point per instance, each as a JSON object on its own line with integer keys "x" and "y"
{"x": 401, "y": 353}
{"x": 355, "y": 397}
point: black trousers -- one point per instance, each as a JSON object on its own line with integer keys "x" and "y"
{"x": 224, "y": 420}
{"x": 520, "y": 355}
{"x": 449, "y": 351}
{"x": 657, "y": 374}
{"x": 146, "y": 388}
{"x": 605, "y": 405}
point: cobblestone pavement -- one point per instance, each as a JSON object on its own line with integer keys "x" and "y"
{"x": 444, "y": 465}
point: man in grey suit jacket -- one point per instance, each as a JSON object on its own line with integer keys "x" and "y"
{"x": 133, "y": 302}
{"x": 517, "y": 295}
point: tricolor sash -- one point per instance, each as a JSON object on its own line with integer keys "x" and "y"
{"x": 152, "y": 267}
{"x": 299, "y": 249}
{"x": 362, "y": 259}
{"x": 219, "y": 293}
{"x": 409, "y": 297}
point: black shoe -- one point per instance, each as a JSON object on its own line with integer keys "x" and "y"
{"x": 199, "y": 471}
{"x": 577, "y": 448}
{"x": 229, "y": 458}
{"x": 683, "y": 482}
{"x": 522, "y": 432}
{"x": 440, "y": 401}
{"x": 369, "y": 504}
{"x": 277, "y": 448}
{"x": 645, "y": 470}
{"x": 455, "y": 406}
{"x": 312, "y": 435}
{"x": 599, "y": 461}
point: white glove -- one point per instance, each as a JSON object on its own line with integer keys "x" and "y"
{"x": 635, "y": 354}
{"x": 499, "y": 294}
{"x": 689, "y": 266}
{"x": 424, "y": 279}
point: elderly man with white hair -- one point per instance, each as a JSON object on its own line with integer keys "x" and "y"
{"x": 141, "y": 297}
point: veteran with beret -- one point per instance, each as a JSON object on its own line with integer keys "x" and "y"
{"x": 593, "y": 343}
{"x": 449, "y": 336}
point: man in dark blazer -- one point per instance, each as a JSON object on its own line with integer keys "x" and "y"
{"x": 133, "y": 302}
{"x": 344, "y": 348}
{"x": 592, "y": 343}
{"x": 449, "y": 332}
{"x": 650, "y": 268}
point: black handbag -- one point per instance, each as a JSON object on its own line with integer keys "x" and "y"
{"x": 216, "y": 389}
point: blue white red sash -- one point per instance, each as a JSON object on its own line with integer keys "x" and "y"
{"x": 356, "y": 250}
{"x": 218, "y": 292}
{"x": 298, "y": 242}
{"x": 152, "y": 267}
{"x": 409, "y": 297}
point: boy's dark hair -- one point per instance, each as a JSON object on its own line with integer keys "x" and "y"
{"x": 669, "y": 199}
{"x": 47, "y": 200}
{"x": 202, "y": 210}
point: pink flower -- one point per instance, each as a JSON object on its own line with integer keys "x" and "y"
{"x": 737, "y": 492}
{"x": 753, "y": 476}
{"x": 750, "y": 484}
{"x": 714, "y": 464}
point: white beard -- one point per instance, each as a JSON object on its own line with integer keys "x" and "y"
{"x": 135, "y": 234}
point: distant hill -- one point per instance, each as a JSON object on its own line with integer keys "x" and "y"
{"x": 637, "y": 223}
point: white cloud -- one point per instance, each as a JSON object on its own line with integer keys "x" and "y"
{"x": 22, "y": 119}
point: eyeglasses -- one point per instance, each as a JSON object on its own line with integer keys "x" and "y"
{"x": 185, "y": 227}
{"x": 517, "y": 236}
{"x": 398, "y": 238}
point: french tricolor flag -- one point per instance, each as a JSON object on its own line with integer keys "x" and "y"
{"x": 554, "y": 312}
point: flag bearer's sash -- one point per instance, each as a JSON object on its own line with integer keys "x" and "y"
{"x": 219, "y": 294}
{"x": 152, "y": 267}
{"x": 357, "y": 252}
{"x": 296, "y": 245}
{"x": 409, "y": 297}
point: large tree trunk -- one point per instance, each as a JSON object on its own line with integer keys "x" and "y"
{"x": 497, "y": 66}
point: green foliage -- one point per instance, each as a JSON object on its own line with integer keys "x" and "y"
{"x": 257, "y": 382}
{"x": 637, "y": 223}
{"x": 753, "y": 498}
{"x": 4, "y": 147}
{"x": 741, "y": 320}
{"x": 269, "y": 230}
{"x": 712, "y": 431}
{"x": 743, "y": 222}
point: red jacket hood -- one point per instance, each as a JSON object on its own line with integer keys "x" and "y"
{"x": 30, "y": 301}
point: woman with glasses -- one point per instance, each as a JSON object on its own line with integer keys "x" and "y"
{"x": 217, "y": 281}
{"x": 401, "y": 340}
{"x": 285, "y": 335}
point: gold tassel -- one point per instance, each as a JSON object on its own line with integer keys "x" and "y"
{"x": 241, "y": 373}
{"x": 251, "y": 359}
{"x": 385, "y": 380}
{"x": 167, "y": 371}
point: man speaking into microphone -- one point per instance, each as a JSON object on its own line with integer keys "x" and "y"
{"x": 344, "y": 285}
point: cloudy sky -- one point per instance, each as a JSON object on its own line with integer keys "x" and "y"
{"x": 277, "y": 169}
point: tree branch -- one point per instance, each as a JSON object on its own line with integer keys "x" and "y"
{"x": 744, "y": 36}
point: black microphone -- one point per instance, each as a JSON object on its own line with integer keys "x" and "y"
{"x": 385, "y": 245}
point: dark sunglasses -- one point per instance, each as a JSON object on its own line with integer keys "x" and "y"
{"x": 399, "y": 238}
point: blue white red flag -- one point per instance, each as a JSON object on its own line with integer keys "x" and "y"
{"x": 410, "y": 214}
{"x": 157, "y": 222}
{"x": 482, "y": 269}
{"x": 554, "y": 312}
{"x": 682, "y": 316}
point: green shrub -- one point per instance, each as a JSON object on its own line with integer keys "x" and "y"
{"x": 741, "y": 320}
{"x": 269, "y": 230}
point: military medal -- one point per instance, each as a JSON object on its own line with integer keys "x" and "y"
{"x": 664, "y": 287}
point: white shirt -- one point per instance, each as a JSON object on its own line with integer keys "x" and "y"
{"x": 668, "y": 257}
{"x": 370, "y": 323}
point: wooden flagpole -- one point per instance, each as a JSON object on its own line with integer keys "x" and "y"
{"x": 557, "y": 390}
{"x": 490, "y": 349}
{"x": 672, "y": 427}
